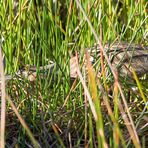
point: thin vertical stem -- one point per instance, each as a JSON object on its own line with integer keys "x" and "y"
{"x": 3, "y": 103}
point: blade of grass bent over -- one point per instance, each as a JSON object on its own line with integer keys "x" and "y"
{"x": 35, "y": 143}
{"x": 133, "y": 130}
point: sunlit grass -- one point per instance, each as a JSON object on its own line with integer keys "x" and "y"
{"x": 54, "y": 107}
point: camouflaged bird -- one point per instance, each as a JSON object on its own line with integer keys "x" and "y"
{"x": 124, "y": 56}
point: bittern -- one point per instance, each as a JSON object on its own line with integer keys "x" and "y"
{"x": 124, "y": 56}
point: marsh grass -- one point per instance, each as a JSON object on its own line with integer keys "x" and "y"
{"x": 55, "y": 110}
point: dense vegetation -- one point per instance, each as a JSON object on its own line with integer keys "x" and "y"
{"x": 55, "y": 108}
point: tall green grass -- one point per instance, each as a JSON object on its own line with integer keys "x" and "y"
{"x": 35, "y": 32}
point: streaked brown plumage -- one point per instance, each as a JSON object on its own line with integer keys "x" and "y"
{"x": 123, "y": 56}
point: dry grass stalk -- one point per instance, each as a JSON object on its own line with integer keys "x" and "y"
{"x": 3, "y": 102}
